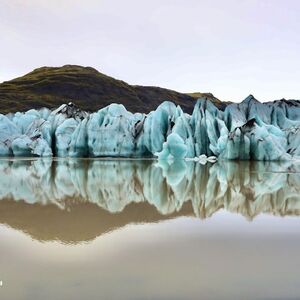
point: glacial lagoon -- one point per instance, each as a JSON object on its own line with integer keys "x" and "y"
{"x": 142, "y": 229}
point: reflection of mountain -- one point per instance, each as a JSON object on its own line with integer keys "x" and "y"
{"x": 79, "y": 222}
{"x": 74, "y": 200}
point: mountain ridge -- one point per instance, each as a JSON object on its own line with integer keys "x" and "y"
{"x": 89, "y": 89}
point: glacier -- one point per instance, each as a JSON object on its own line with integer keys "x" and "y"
{"x": 249, "y": 130}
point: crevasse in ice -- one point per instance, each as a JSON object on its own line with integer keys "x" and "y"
{"x": 249, "y": 130}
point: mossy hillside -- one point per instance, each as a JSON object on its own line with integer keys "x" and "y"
{"x": 88, "y": 88}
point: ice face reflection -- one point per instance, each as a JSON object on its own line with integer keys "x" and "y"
{"x": 94, "y": 229}
{"x": 105, "y": 195}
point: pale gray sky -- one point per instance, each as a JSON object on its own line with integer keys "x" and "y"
{"x": 228, "y": 47}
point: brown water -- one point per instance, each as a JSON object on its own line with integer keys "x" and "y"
{"x": 92, "y": 229}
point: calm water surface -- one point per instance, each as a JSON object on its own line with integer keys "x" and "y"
{"x": 100, "y": 229}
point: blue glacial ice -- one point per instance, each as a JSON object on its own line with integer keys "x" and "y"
{"x": 249, "y": 130}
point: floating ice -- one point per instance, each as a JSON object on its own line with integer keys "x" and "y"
{"x": 203, "y": 159}
{"x": 249, "y": 131}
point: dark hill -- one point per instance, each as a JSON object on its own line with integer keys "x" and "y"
{"x": 87, "y": 88}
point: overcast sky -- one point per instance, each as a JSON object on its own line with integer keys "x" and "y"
{"x": 231, "y": 48}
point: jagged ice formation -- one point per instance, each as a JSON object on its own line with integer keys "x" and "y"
{"x": 249, "y": 130}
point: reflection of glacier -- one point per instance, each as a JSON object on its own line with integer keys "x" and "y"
{"x": 248, "y": 188}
